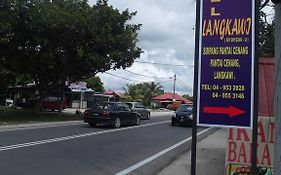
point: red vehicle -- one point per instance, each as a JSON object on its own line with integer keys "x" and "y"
{"x": 54, "y": 103}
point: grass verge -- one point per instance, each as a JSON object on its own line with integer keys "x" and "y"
{"x": 9, "y": 116}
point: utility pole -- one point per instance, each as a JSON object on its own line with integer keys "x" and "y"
{"x": 277, "y": 113}
{"x": 174, "y": 93}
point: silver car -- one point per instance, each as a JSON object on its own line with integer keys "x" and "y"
{"x": 139, "y": 108}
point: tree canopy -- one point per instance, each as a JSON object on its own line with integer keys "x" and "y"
{"x": 52, "y": 41}
{"x": 266, "y": 36}
{"x": 188, "y": 97}
{"x": 95, "y": 83}
{"x": 143, "y": 92}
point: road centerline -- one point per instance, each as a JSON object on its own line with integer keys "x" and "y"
{"x": 52, "y": 140}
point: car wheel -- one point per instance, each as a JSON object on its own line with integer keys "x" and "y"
{"x": 138, "y": 121}
{"x": 173, "y": 122}
{"x": 117, "y": 123}
{"x": 92, "y": 124}
{"x": 148, "y": 116}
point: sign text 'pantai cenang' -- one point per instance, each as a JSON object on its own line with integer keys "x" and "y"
{"x": 226, "y": 63}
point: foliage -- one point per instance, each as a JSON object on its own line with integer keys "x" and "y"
{"x": 52, "y": 41}
{"x": 134, "y": 92}
{"x": 188, "y": 97}
{"x": 143, "y": 92}
{"x": 9, "y": 78}
{"x": 151, "y": 90}
{"x": 266, "y": 36}
{"x": 6, "y": 79}
{"x": 95, "y": 83}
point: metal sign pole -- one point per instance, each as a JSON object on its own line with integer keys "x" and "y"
{"x": 195, "y": 90}
{"x": 256, "y": 92}
{"x": 277, "y": 113}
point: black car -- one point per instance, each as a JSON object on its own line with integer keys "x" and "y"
{"x": 183, "y": 115}
{"x": 111, "y": 113}
{"x": 139, "y": 108}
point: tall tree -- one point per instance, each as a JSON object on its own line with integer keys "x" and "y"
{"x": 133, "y": 92}
{"x": 7, "y": 16}
{"x": 266, "y": 36}
{"x": 143, "y": 92}
{"x": 151, "y": 89}
{"x": 95, "y": 83}
{"x": 188, "y": 97}
{"x": 57, "y": 40}
{"x": 6, "y": 78}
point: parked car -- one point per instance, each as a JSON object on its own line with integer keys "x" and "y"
{"x": 139, "y": 108}
{"x": 111, "y": 113}
{"x": 183, "y": 115}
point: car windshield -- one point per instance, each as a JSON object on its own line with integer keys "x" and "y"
{"x": 104, "y": 106}
{"x": 184, "y": 108}
{"x": 130, "y": 104}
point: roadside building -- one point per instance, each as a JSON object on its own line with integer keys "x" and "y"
{"x": 170, "y": 100}
{"x": 80, "y": 94}
{"x": 114, "y": 95}
{"x": 239, "y": 140}
{"x": 23, "y": 96}
{"x": 83, "y": 97}
{"x": 75, "y": 95}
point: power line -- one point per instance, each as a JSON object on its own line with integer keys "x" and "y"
{"x": 163, "y": 64}
{"x": 166, "y": 81}
{"x": 131, "y": 79}
{"x": 146, "y": 75}
{"x": 123, "y": 78}
{"x": 127, "y": 79}
{"x": 182, "y": 83}
{"x": 183, "y": 86}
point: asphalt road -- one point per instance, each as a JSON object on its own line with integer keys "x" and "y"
{"x": 77, "y": 149}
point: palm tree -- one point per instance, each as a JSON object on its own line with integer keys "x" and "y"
{"x": 133, "y": 92}
{"x": 151, "y": 89}
{"x": 142, "y": 92}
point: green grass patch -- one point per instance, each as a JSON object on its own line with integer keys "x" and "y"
{"x": 10, "y": 116}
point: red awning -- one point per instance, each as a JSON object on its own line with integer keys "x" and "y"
{"x": 171, "y": 96}
{"x": 166, "y": 101}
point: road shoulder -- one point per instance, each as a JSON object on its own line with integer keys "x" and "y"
{"x": 210, "y": 157}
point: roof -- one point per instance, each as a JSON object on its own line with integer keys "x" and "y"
{"x": 266, "y": 86}
{"x": 110, "y": 92}
{"x": 170, "y": 96}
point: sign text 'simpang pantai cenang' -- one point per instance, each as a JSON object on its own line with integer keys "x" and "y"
{"x": 226, "y": 63}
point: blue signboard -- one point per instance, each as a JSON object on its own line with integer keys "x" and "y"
{"x": 226, "y": 63}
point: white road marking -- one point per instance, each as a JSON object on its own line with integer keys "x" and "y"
{"x": 22, "y": 145}
{"x": 155, "y": 156}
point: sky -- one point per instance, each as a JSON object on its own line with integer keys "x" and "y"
{"x": 166, "y": 37}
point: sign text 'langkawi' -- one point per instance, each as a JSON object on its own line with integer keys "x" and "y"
{"x": 226, "y": 63}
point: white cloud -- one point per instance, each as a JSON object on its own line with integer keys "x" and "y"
{"x": 167, "y": 37}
